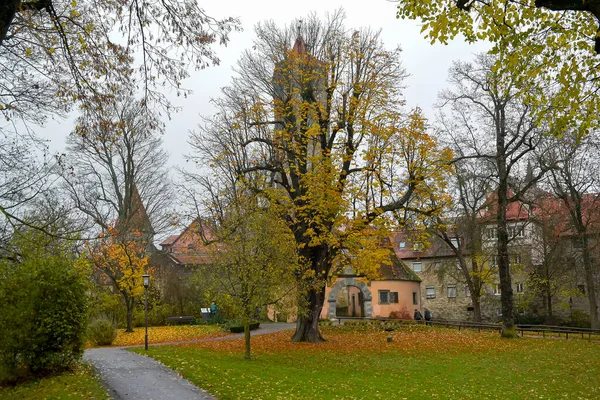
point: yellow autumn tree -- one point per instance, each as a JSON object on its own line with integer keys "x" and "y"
{"x": 558, "y": 41}
{"x": 314, "y": 125}
{"x": 121, "y": 260}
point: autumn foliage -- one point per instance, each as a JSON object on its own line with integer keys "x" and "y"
{"x": 121, "y": 260}
{"x": 420, "y": 362}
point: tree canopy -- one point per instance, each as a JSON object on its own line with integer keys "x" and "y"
{"x": 55, "y": 53}
{"x": 556, "y": 38}
{"x": 316, "y": 111}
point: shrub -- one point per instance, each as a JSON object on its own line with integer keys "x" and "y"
{"x": 579, "y": 319}
{"x": 402, "y": 314}
{"x": 237, "y": 326}
{"x": 101, "y": 332}
{"x": 530, "y": 319}
{"x": 44, "y": 308}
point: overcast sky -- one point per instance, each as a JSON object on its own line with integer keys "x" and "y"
{"x": 427, "y": 64}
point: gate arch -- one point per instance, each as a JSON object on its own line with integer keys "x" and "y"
{"x": 367, "y": 297}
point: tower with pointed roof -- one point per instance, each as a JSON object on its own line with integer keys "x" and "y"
{"x": 135, "y": 221}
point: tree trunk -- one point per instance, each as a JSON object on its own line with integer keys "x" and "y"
{"x": 248, "y": 354}
{"x": 476, "y": 306}
{"x": 307, "y": 326}
{"x": 129, "y": 315}
{"x": 7, "y": 14}
{"x": 589, "y": 280}
{"x": 506, "y": 295}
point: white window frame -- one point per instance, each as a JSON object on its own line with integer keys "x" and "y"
{"x": 467, "y": 291}
{"x": 430, "y": 292}
{"x": 497, "y": 290}
{"x": 417, "y": 263}
{"x": 515, "y": 231}
{"x": 491, "y": 233}
{"x": 519, "y": 288}
{"x": 402, "y": 245}
{"x": 451, "y": 291}
{"x": 387, "y": 295}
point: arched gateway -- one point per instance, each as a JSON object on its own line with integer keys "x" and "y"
{"x": 366, "y": 296}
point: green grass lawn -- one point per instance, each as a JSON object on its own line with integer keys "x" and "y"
{"x": 421, "y": 362}
{"x": 78, "y": 384}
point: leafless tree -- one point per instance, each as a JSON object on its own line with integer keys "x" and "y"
{"x": 56, "y": 53}
{"x": 576, "y": 182}
{"x": 488, "y": 122}
{"x": 115, "y": 152}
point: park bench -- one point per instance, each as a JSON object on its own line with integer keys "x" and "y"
{"x": 181, "y": 320}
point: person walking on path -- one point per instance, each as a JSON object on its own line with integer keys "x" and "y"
{"x": 427, "y": 317}
{"x": 417, "y": 316}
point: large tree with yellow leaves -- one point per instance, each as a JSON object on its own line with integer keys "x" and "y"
{"x": 313, "y": 122}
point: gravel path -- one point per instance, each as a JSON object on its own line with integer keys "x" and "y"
{"x": 132, "y": 376}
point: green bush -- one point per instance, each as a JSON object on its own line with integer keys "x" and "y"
{"x": 102, "y": 332}
{"x": 530, "y": 319}
{"x": 44, "y": 308}
{"x": 579, "y": 319}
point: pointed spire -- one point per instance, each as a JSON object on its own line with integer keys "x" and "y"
{"x": 300, "y": 44}
{"x": 529, "y": 173}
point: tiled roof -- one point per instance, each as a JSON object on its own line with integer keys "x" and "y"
{"x": 170, "y": 240}
{"x": 190, "y": 259}
{"x": 299, "y": 45}
{"x": 397, "y": 270}
{"x": 437, "y": 247}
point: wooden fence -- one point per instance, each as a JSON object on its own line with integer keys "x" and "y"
{"x": 539, "y": 330}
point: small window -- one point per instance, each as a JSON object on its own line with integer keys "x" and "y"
{"x": 393, "y": 297}
{"x": 515, "y": 231}
{"x": 494, "y": 261}
{"x": 454, "y": 242}
{"x": 437, "y": 265}
{"x": 451, "y": 291}
{"x": 516, "y": 259}
{"x": 467, "y": 291}
{"x": 497, "y": 290}
{"x": 458, "y": 266}
{"x": 402, "y": 245}
{"x": 384, "y": 297}
{"x": 430, "y": 292}
{"x": 519, "y": 288}
{"x": 491, "y": 233}
{"x": 415, "y": 299}
{"x": 417, "y": 266}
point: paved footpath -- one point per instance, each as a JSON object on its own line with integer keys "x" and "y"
{"x": 132, "y": 376}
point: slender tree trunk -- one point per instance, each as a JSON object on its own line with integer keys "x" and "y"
{"x": 549, "y": 305}
{"x": 589, "y": 280}
{"x": 506, "y": 296}
{"x": 307, "y": 326}
{"x": 475, "y": 298}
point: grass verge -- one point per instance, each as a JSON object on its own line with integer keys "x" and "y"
{"x": 80, "y": 383}
{"x": 420, "y": 362}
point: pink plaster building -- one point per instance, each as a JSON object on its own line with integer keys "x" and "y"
{"x": 396, "y": 293}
